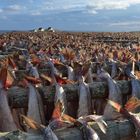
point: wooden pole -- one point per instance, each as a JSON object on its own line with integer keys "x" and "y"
{"x": 18, "y": 97}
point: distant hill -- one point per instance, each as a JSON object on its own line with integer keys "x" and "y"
{"x": 4, "y": 31}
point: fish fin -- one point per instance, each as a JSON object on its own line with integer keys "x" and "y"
{"x": 6, "y": 77}
{"x": 115, "y": 105}
{"x": 31, "y": 123}
{"x": 47, "y": 78}
{"x": 132, "y": 103}
{"x": 68, "y": 118}
{"x": 57, "y": 110}
{"x": 61, "y": 80}
{"x": 12, "y": 63}
{"x": 57, "y": 62}
{"x": 32, "y": 79}
{"x": 102, "y": 125}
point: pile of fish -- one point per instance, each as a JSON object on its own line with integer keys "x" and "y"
{"x": 83, "y": 66}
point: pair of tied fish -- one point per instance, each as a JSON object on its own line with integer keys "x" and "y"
{"x": 82, "y": 123}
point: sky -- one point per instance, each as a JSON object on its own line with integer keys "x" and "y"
{"x": 70, "y": 15}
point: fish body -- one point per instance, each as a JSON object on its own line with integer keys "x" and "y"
{"x": 35, "y": 106}
{"x": 136, "y": 92}
{"x": 91, "y": 133}
{"x": 61, "y": 96}
{"x": 84, "y": 100}
{"x": 115, "y": 95}
{"x": 49, "y": 134}
{"x": 6, "y": 119}
{"x": 70, "y": 73}
{"x": 135, "y": 88}
{"x": 89, "y": 76}
{"x": 114, "y": 70}
{"x": 34, "y": 72}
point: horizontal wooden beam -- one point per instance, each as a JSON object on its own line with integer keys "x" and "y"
{"x": 116, "y": 130}
{"x": 18, "y": 97}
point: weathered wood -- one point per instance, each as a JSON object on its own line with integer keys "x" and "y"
{"x": 18, "y": 97}
{"x": 116, "y": 130}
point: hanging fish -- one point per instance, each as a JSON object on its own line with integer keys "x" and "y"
{"x": 60, "y": 96}
{"x": 35, "y": 106}
{"x": 135, "y": 88}
{"x": 70, "y": 72}
{"x": 114, "y": 94}
{"x": 84, "y": 99}
{"x": 6, "y": 119}
{"x": 32, "y": 69}
{"x": 114, "y": 69}
{"x": 130, "y": 72}
{"x": 89, "y": 76}
{"x": 53, "y": 68}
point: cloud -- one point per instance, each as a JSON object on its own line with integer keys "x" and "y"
{"x": 96, "y": 5}
{"x": 3, "y": 17}
{"x": 64, "y": 5}
{"x": 126, "y": 23}
{"x": 36, "y": 13}
{"x": 12, "y": 9}
{"x": 1, "y": 10}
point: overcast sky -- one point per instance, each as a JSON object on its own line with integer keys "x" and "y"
{"x": 72, "y": 15}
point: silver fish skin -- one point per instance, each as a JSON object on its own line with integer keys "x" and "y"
{"x": 53, "y": 68}
{"x": 115, "y": 95}
{"x": 35, "y": 106}
{"x": 135, "y": 88}
{"x": 114, "y": 69}
{"x": 34, "y": 72}
{"x": 49, "y": 134}
{"x": 70, "y": 73}
{"x": 84, "y": 108}
{"x": 91, "y": 133}
{"x": 61, "y": 96}
{"x": 3, "y": 138}
{"x": 6, "y": 119}
{"x": 135, "y": 84}
{"x": 89, "y": 76}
